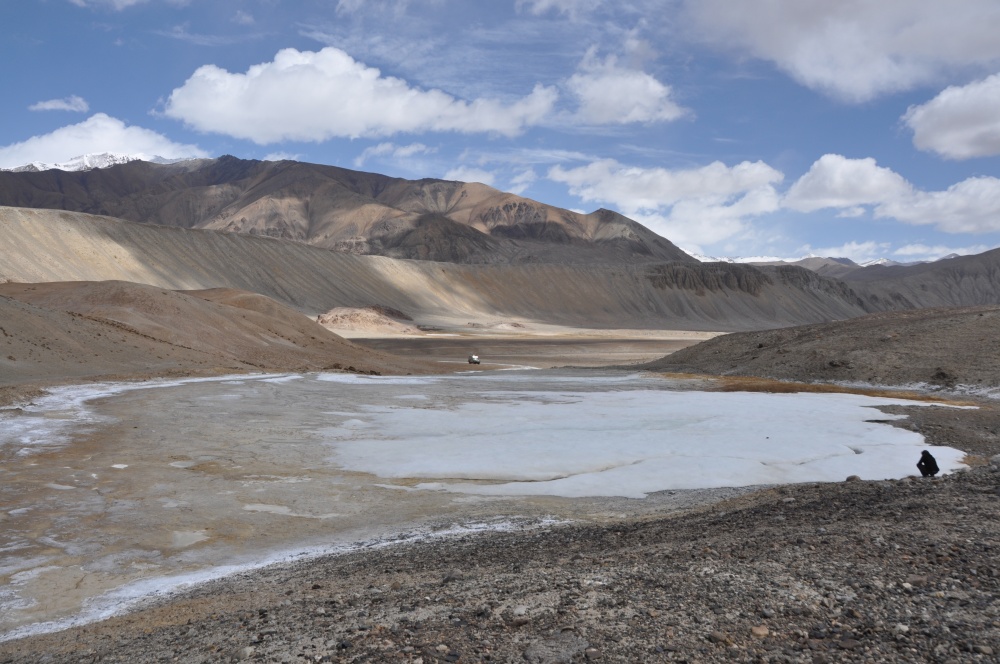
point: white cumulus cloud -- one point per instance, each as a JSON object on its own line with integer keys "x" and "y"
{"x": 71, "y": 103}
{"x": 692, "y": 206}
{"x": 633, "y": 188}
{"x": 969, "y": 206}
{"x": 316, "y": 96}
{"x": 855, "y": 50}
{"x": 609, "y": 93}
{"x": 961, "y": 122}
{"x": 834, "y": 181}
{"x": 99, "y": 133}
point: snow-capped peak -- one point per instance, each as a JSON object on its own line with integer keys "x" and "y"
{"x": 734, "y": 259}
{"x": 879, "y": 261}
{"x": 89, "y": 162}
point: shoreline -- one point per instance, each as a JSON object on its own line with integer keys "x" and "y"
{"x": 662, "y": 506}
{"x": 696, "y": 584}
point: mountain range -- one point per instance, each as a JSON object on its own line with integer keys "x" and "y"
{"x": 343, "y": 210}
{"x": 317, "y": 237}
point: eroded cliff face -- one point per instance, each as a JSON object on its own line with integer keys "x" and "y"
{"x": 709, "y": 278}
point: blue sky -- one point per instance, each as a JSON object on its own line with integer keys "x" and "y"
{"x": 861, "y": 128}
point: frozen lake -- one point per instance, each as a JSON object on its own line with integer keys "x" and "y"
{"x": 144, "y": 487}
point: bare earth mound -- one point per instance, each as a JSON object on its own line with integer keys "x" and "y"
{"x": 56, "y": 332}
{"x": 938, "y": 347}
{"x": 374, "y": 320}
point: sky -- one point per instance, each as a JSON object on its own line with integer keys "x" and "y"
{"x": 861, "y": 128}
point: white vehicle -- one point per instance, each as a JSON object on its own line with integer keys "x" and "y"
{"x": 473, "y": 359}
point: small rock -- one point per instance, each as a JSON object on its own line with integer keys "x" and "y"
{"x": 451, "y": 576}
{"x": 718, "y": 637}
{"x": 592, "y": 654}
{"x": 849, "y": 644}
{"x": 853, "y": 478}
{"x": 559, "y": 648}
{"x": 759, "y": 631}
{"x": 247, "y": 653}
{"x": 982, "y": 650}
{"x": 442, "y": 648}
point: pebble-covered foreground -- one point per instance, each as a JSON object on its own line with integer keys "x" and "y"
{"x": 891, "y": 571}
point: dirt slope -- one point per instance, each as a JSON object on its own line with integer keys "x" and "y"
{"x": 41, "y": 246}
{"x": 944, "y": 347}
{"x": 62, "y": 331}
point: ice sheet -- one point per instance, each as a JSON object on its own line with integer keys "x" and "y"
{"x": 631, "y": 443}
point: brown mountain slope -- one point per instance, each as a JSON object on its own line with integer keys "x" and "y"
{"x": 41, "y": 246}
{"x": 960, "y": 281}
{"x": 944, "y": 347}
{"x": 346, "y": 210}
{"x": 60, "y": 331}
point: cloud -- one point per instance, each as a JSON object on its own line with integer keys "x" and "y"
{"x": 854, "y": 50}
{"x": 859, "y": 252}
{"x": 71, "y": 103}
{"x": 243, "y": 18}
{"x": 571, "y": 8}
{"x": 113, "y": 4}
{"x": 834, "y": 181}
{"x": 611, "y": 94}
{"x": 633, "y": 188}
{"x": 961, "y": 122}
{"x": 282, "y": 156}
{"x": 391, "y": 150}
{"x": 521, "y": 181}
{"x": 466, "y": 174}
{"x": 316, "y": 96}
{"x": 970, "y": 206}
{"x": 713, "y": 203}
{"x": 396, "y": 7}
{"x": 182, "y": 33}
{"x": 694, "y": 206}
{"x": 97, "y": 134}
{"x": 923, "y": 252}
